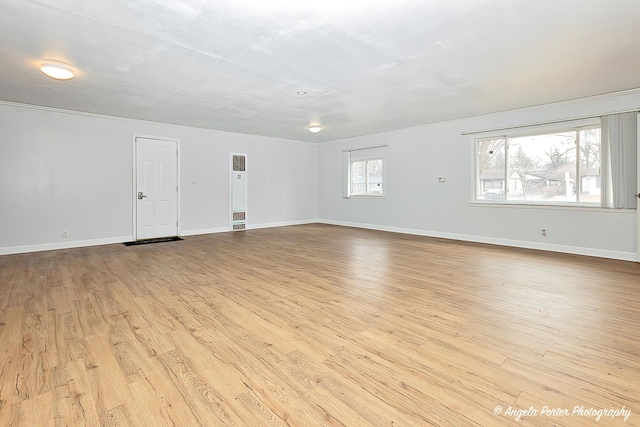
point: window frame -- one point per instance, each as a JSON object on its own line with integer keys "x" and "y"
{"x": 384, "y": 178}
{"x": 545, "y": 130}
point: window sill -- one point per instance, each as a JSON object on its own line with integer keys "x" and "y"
{"x": 584, "y": 208}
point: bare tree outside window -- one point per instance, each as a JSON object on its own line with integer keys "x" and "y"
{"x": 491, "y": 172}
{"x": 559, "y": 167}
{"x": 367, "y": 177}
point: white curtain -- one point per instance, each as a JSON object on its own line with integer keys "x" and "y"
{"x": 619, "y": 154}
{"x": 346, "y": 174}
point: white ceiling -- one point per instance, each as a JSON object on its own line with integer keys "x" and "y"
{"x": 367, "y": 66}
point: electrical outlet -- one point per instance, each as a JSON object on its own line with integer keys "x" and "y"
{"x": 442, "y": 179}
{"x": 359, "y": 217}
{"x": 65, "y": 234}
{"x": 544, "y": 232}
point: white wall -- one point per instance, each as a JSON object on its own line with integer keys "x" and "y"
{"x": 63, "y": 170}
{"x": 417, "y": 203}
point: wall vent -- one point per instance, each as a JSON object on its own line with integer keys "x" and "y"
{"x": 238, "y": 192}
{"x": 239, "y": 164}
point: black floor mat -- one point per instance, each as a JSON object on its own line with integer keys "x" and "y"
{"x": 156, "y": 240}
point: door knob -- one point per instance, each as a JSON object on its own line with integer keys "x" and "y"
{"x": 140, "y": 195}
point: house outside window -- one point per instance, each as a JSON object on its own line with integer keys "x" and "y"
{"x": 561, "y": 167}
{"x": 367, "y": 178}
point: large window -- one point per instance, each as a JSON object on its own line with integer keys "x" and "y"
{"x": 562, "y": 167}
{"x": 366, "y": 177}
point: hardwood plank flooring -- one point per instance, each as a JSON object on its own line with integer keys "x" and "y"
{"x": 315, "y": 325}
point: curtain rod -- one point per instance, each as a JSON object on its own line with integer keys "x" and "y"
{"x": 546, "y": 123}
{"x": 364, "y": 148}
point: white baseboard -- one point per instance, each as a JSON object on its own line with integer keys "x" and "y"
{"x": 95, "y": 242}
{"x": 576, "y": 250}
{"x": 63, "y": 245}
{"x": 281, "y": 224}
{"x": 204, "y": 231}
{"x": 600, "y": 253}
{"x": 249, "y": 227}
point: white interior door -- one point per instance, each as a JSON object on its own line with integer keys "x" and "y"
{"x": 156, "y": 188}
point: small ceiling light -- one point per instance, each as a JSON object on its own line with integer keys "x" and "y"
{"x": 315, "y": 128}
{"x": 302, "y": 92}
{"x": 57, "y": 71}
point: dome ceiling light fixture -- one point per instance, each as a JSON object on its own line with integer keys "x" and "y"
{"x": 315, "y": 128}
{"x": 57, "y": 71}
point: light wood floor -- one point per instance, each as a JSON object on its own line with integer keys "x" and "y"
{"x": 315, "y": 326}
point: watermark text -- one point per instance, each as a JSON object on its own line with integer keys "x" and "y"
{"x": 577, "y": 411}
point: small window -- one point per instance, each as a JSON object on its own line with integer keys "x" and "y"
{"x": 367, "y": 177}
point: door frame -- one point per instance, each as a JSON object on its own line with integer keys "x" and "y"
{"x": 134, "y": 181}
{"x": 638, "y": 190}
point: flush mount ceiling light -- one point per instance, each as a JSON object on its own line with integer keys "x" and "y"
{"x": 315, "y": 128}
{"x": 57, "y": 71}
{"x": 302, "y": 92}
